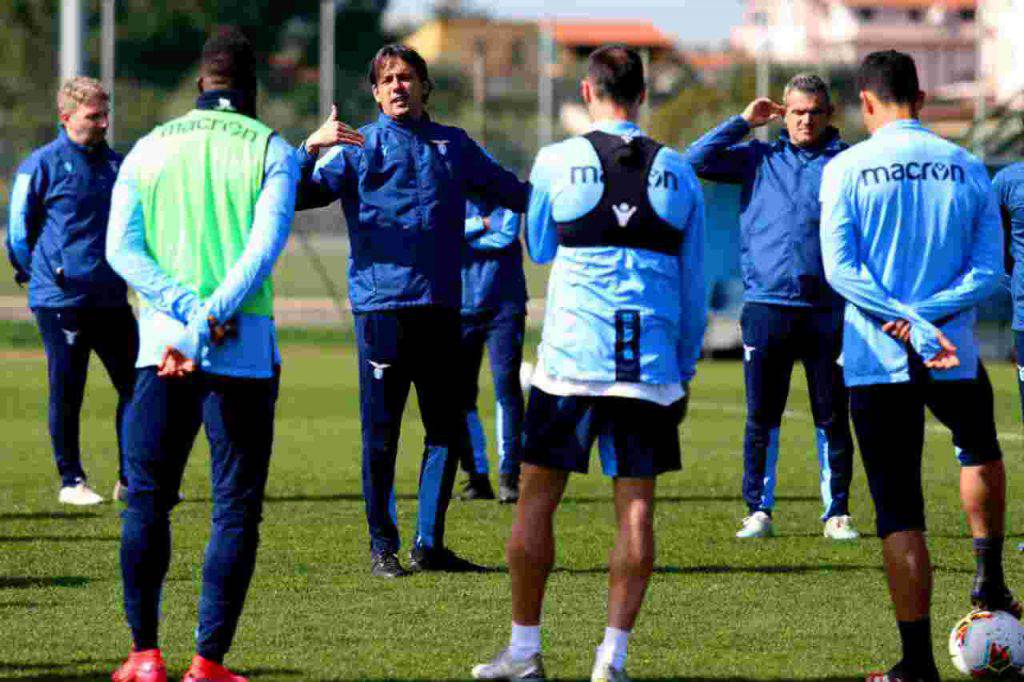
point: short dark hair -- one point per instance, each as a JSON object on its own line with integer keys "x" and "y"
{"x": 890, "y": 75}
{"x": 228, "y": 55}
{"x": 617, "y": 73}
{"x": 407, "y": 55}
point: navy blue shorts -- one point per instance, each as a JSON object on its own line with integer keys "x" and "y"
{"x": 635, "y": 438}
{"x": 889, "y": 420}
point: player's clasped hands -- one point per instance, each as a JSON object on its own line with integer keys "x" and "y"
{"x": 175, "y": 365}
{"x": 944, "y": 359}
{"x": 333, "y": 132}
{"x": 761, "y": 111}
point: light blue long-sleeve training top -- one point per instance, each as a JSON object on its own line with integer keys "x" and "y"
{"x": 1008, "y": 186}
{"x": 174, "y": 315}
{"x": 589, "y": 284}
{"x": 909, "y": 230}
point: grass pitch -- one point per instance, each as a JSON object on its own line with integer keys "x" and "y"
{"x": 794, "y": 607}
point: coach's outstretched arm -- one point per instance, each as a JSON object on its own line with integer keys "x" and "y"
{"x": 721, "y": 155}
{"x": 693, "y": 298}
{"x": 847, "y": 274}
{"x": 491, "y": 181}
{"x": 322, "y": 182}
{"x": 984, "y": 268}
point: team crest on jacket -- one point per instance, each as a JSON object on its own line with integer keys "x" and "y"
{"x": 442, "y": 146}
{"x": 378, "y": 369}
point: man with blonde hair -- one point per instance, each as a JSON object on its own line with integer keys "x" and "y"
{"x": 55, "y": 240}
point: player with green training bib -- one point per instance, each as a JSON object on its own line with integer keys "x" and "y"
{"x": 201, "y": 211}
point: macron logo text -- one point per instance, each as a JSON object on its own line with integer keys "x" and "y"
{"x": 913, "y": 171}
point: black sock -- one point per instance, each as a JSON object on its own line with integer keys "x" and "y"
{"x": 988, "y": 553}
{"x": 916, "y": 636}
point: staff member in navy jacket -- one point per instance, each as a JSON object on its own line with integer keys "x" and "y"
{"x": 55, "y": 241}
{"x": 493, "y": 315}
{"x": 790, "y": 313}
{"x": 403, "y": 192}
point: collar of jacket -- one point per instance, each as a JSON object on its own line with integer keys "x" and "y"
{"x": 235, "y": 101}
{"x": 617, "y": 127}
{"x": 100, "y": 148}
{"x": 404, "y": 124}
{"x": 830, "y": 141}
{"x": 900, "y": 124}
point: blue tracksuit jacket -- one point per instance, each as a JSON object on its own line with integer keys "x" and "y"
{"x": 910, "y": 230}
{"x": 404, "y": 197}
{"x": 589, "y": 285}
{"x": 780, "y": 254}
{"x": 58, "y": 225}
{"x": 1008, "y": 186}
{"x": 492, "y": 262}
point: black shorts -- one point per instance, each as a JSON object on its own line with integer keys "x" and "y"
{"x": 635, "y": 438}
{"x": 889, "y": 421}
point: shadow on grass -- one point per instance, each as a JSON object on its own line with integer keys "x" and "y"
{"x": 26, "y": 582}
{"x": 670, "y": 499}
{"x": 10, "y": 605}
{"x": 859, "y": 678}
{"x": 58, "y": 538}
{"x": 337, "y": 497}
{"x": 57, "y": 671}
{"x": 718, "y": 569}
{"x": 48, "y": 516}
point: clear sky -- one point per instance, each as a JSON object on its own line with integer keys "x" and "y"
{"x": 687, "y": 21}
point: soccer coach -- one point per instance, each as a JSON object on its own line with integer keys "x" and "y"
{"x": 403, "y": 192}
{"x": 60, "y": 203}
{"x": 911, "y": 238}
{"x": 789, "y": 313}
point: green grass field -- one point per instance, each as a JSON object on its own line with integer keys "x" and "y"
{"x": 794, "y": 607}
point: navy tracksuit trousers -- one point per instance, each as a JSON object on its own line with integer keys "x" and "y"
{"x": 501, "y": 331}
{"x": 161, "y": 424}
{"x": 397, "y": 350}
{"x": 774, "y": 337}
{"x": 69, "y": 336}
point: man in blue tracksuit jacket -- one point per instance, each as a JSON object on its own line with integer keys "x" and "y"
{"x": 404, "y": 193}
{"x": 911, "y": 238}
{"x": 55, "y": 240}
{"x": 1008, "y": 186}
{"x": 493, "y": 315}
{"x": 622, "y": 217}
{"x": 790, "y": 313}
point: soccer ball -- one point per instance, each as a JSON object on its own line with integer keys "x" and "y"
{"x": 987, "y": 644}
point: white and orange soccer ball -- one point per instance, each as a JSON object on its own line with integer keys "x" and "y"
{"x": 987, "y": 644}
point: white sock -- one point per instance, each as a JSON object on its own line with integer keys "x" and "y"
{"x": 525, "y": 641}
{"x": 614, "y": 647}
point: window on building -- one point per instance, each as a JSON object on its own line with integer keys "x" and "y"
{"x": 759, "y": 19}
{"x": 517, "y": 53}
{"x": 967, "y": 15}
{"x": 866, "y": 14}
{"x": 915, "y": 16}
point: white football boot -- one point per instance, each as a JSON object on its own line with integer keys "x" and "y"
{"x": 757, "y": 525}
{"x": 840, "y": 528}
{"x": 604, "y": 672}
{"x": 79, "y": 495}
{"x": 504, "y": 667}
